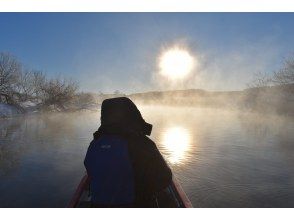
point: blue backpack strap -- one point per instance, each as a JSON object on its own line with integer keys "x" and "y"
{"x": 108, "y": 163}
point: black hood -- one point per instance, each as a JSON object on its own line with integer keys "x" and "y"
{"x": 121, "y": 113}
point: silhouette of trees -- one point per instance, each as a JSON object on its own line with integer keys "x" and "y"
{"x": 83, "y": 100}
{"x": 58, "y": 92}
{"x": 260, "y": 80}
{"x": 10, "y": 70}
{"x": 273, "y": 92}
{"x": 286, "y": 74}
{"x": 18, "y": 85}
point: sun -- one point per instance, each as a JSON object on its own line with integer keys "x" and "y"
{"x": 176, "y": 63}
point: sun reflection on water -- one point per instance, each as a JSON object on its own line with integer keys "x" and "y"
{"x": 176, "y": 141}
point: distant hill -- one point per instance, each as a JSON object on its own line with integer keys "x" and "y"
{"x": 276, "y": 99}
{"x": 272, "y": 99}
{"x": 187, "y": 97}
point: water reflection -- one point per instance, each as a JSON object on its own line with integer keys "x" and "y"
{"x": 222, "y": 158}
{"x": 176, "y": 141}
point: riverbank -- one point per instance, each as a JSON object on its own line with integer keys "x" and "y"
{"x": 7, "y": 111}
{"x": 267, "y": 100}
{"x": 29, "y": 108}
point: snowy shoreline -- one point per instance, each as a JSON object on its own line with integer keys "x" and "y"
{"x": 7, "y": 111}
{"x": 10, "y": 111}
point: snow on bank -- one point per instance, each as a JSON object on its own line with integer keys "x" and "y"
{"x": 8, "y": 111}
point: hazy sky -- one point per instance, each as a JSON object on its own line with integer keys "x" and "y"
{"x": 118, "y": 51}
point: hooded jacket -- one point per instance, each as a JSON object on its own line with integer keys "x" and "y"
{"x": 121, "y": 117}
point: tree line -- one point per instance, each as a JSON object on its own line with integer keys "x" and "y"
{"x": 273, "y": 92}
{"x": 283, "y": 76}
{"x": 19, "y": 84}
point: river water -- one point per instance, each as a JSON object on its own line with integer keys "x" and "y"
{"x": 222, "y": 158}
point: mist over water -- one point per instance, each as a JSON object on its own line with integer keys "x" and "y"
{"x": 222, "y": 158}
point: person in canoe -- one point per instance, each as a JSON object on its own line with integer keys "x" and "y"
{"x": 125, "y": 167}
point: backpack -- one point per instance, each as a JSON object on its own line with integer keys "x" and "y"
{"x": 109, "y": 166}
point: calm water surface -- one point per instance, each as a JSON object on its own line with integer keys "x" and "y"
{"x": 222, "y": 158}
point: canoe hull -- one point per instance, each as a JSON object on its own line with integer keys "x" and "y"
{"x": 172, "y": 197}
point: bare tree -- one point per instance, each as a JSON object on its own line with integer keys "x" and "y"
{"x": 24, "y": 88}
{"x": 283, "y": 76}
{"x": 10, "y": 70}
{"x": 83, "y": 100}
{"x": 286, "y": 74}
{"x": 273, "y": 93}
{"x": 260, "y": 80}
{"x": 18, "y": 85}
{"x": 38, "y": 82}
{"x": 58, "y": 92}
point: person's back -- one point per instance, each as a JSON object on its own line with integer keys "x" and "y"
{"x": 125, "y": 166}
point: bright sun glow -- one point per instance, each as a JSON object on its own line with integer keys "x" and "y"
{"x": 176, "y": 63}
{"x": 176, "y": 141}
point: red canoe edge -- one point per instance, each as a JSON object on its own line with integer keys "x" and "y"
{"x": 85, "y": 182}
